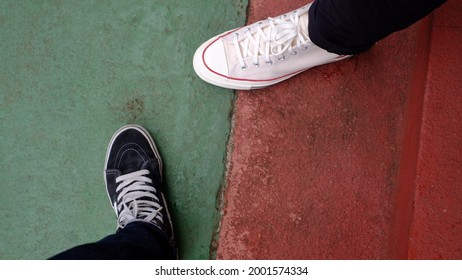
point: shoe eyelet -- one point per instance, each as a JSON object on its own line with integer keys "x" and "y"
{"x": 243, "y": 68}
{"x": 236, "y": 35}
{"x": 256, "y": 65}
{"x": 247, "y": 30}
{"x": 282, "y": 58}
{"x": 269, "y": 62}
{"x": 293, "y": 53}
{"x": 304, "y": 47}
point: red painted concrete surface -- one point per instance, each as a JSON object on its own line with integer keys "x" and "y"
{"x": 405, "y": 190}
{"x": 436, "y": 231}
{"x": 316, "y": 162}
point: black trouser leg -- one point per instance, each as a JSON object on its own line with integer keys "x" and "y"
{"x": 353, "y": 26}
{"x": 136, "y": 241}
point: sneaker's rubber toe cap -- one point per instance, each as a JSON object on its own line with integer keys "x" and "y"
{"x": 210, "y": 61}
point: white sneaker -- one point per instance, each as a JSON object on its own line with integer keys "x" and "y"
{"x": 261, "y": 54}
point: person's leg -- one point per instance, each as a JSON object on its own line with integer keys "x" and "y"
{"x": 133, "y": 177}
{"x": 353, "y": 26}
{"x": 136, "y": 241}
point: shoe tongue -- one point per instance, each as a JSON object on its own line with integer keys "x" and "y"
{"x": 130, "y": 162}
{"x": 153, "y": 166}
{"x": 302, "y": 22}
{"x": 130, "y": 168}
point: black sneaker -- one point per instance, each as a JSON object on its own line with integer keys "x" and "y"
{"x": 133, "y": 176}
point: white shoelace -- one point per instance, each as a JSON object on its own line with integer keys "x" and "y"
{"x": 134, "y": 199}
{"x": 282, "y": 34}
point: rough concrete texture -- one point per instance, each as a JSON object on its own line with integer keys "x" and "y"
{"x": 72, "y": 73}
{"x": 315, "y": 160}
{"x": 405, "y": 191}
{"x": 436, "y": 231}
